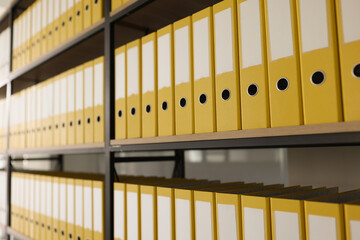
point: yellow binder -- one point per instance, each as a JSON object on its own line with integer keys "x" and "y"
{"x": 79, "y": 209}
{"x": 204, "y": 83}
{"x": 253, "y": 67}
{"x": 89, "y": 101}
{"x": 63, "y": 108}
{"x": 39, "y": 89}
{"x": 70, "y": 205}
{"x": 99, "y": 81}
{"x": 79, "y": 16}
{"x": 43, "y": 205}
{"x": 165, "y": 213}
{"x": 26, "y": 204}
{"x": 98, "y": 210}
{"x": 71, "y": 111}
{"x": 115, "y": 4}
{"x": 133, "y": 83}
{"x": 205, "y": 215}
{"x": 88, "y": 210}
{"x": 97, "y": 10}
{"x": 149, "y": 85}
{"x": 283, "y": 64}
{"x": 326, "y": 220}
{"x": 32, "y": 206}
{"x": 55, "y": 208}
{"x": 87, "y": 12}
{"x": 228, "y": 216}
{"x": 49, "y": 207}
{"x": 349, "y": 45}
{"x": 36, "y": 208}
{"x": 70, "y": 16}
{"x": 148, "y": 210}
{"x": 79, "y": 104}
{"x": 120, "y": 93}
{"x": 184, "y": 105}
{"x": 133, "y": 215}
{"x": 63, "y": 21}
{"x": 319, "y": 61}
{"x": 50, "y": 116}
{"x": 63, "y": 209}
{"x": 226, "y": 66}
{"x": 352, "y": 220}
{"x": 165, "y": 69}
{"x": 57, "y": 23}
{"x": 44, "y": 25}
{"x": 119, "y": 211}
{"x": 184, "y": 214}
{"x": 57, "y": 117}
{"x": 50, "y": 26}
{"x": 39, "y": 27}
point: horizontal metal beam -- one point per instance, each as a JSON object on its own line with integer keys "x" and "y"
{"x": 313, "y": 140}
{"x": 144, "y": 159}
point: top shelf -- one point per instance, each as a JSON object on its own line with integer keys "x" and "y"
{"x": 331, "y": 134}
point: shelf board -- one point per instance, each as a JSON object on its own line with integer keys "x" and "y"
{"x": 16, "y": 234}
{"x": 330, "y": 134}
{"x": 70, "y": 149}
{"x": 140, "y": 17}
{"x": 69, "y": 54}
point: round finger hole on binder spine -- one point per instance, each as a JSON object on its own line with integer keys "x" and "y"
{"x": 203, "y": 98}
{"x": 62, "y": 233}
{"x": 98, "y": 118}
{"x": 148, "y": 108}
{"x": 56, "y": 126}
{"x": 182, "y": 102}
{"x": 225, "y": 95}
{"x": 70, "y": 19}
{"x": 318, "y": 77}
{"x": 282, "y": 84}
{"x": 252, "y": 90}
{"x": 133, "y": 111}
{"x": 78, "y": 13}
{"x": 356, "y": 70}
{"x": 119, "y": 113}
{"x": 78, "y": 238}
{"x": 71, "y": 123}
{"x": 88, "y": 120}
{"x": 96, "y": 1}
{"x": 87, "y": 7}
{"x": 70, "y": 235}
{"x": 164, "y": 106}
{"x": 79, "y": 122}
{"x": 55, "y": 230}
{"x": 63, "y": 125}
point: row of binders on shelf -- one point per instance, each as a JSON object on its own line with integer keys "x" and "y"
{"x": 245, "y": 64}
{"x": 64, "y": 110}
{"x": 3, "y": 130}
{"x": 48, "y": 23}
{"x": 57, "y": 205}
{"x": 3, "y": 200}
{"x": 5, "y": 53}
{"x": 157, "y": 208}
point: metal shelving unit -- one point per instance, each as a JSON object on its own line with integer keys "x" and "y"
{"x": 131, "y": 21}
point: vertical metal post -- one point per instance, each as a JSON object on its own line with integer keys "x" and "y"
{"x": 109, "y": 122}
{"x": 179, "y": 168}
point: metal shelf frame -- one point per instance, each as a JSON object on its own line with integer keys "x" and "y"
{"x": 139, "y": 15}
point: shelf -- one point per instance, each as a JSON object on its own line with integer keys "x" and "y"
{"x": 71, "y": 53}
{"x": 57, "y": 150}
{"x": 331, "y": 134}
{"x": 140, "y": 17}
{"x": 16, "y": 234}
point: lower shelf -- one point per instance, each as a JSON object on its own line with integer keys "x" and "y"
{"x": 16, "y": 234}
{"x": 69, "y": 149}
{"x": 342, "y": 133}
